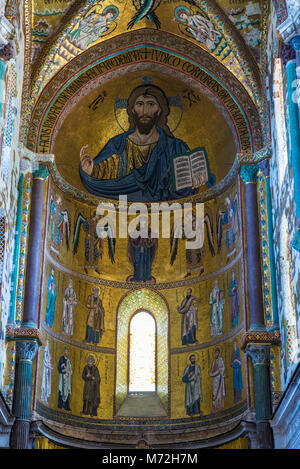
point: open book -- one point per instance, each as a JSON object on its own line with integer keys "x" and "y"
{"x": 188, "y": 167}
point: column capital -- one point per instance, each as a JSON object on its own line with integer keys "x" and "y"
{"x": 26, "y": 350}
{"x": 259, "y": 354}
{"x": 31, "y": 162}
{"x": 248, "y": 173}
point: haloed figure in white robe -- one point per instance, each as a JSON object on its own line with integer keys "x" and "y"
{"x": 69, "y": 305}
{"x": 46, "y": 375}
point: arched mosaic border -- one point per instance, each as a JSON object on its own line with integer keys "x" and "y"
{"x": 148, "y": 300}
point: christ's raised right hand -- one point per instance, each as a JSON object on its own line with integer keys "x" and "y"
{"x": 86, "y": 161}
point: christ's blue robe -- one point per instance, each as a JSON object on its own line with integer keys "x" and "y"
{"x": 150, "y": 182}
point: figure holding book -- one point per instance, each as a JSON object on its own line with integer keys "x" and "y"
{"x": 139, "y": 162}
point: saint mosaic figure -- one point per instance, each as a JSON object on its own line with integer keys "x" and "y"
{"x": 141, "y": 253}
{"x": 64, "y": 381}
{"x": 236, "y": 364}
{"x": 93, "y": 26}
{"x": 51, "y": 299}
{"x": 216, "y": 302}
{"x": 189, "y": 322}
{"x": 194, "y": 257}
{"x": 198, "y": 26}
{"x": 46, "y": 374}
{"x": 91, "y": 390}
{"x": 95, "y": 318}
{"x": 193, "y": 387}
{"x": 69, "y": 305}
{"x": 217, "y": 373}
{"x": 235, "y": 301}
{"x": 60, "y": 225}
{"x": 93, "y": 244}
{"x": 137, "y": 163}
{"x": 228, "y": 218}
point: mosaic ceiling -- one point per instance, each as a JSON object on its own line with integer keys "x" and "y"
{"x": 229, "y": 29}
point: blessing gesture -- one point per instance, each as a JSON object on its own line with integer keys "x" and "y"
{"x": 86, "y": 161}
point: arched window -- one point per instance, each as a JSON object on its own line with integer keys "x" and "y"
{"x": 142, "y": 353}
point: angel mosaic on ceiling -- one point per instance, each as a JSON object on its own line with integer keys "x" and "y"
{"x": 198, "y": 26}
{"x": 94, "y": 25}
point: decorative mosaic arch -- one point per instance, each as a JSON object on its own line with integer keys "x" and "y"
{"x": 146, "y": 300}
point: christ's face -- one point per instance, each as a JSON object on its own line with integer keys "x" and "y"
{"x": 146, "y": 112}
{"x": 183, "y": 16}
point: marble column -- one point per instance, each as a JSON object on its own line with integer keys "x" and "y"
{"x": 248, "y": 174}
{"x": 27, "y": 336}
{"x": 25, "y": 353}
{"x": 265, "y": 169}
{"x": 260, "y": 357}
{"x": 31, "y": 295}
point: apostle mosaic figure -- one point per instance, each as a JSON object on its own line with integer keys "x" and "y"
{"x": 69, "y": 305}
{"x": 235, "y": 301}
{"x": 217, "y": 373}
{"x": 216, "y": 302}
{"x": 189, "y": 322}
{"x": 60, "y": 225}
{"x": 46, "y": 374}
{"x": 137, "y": 163}
{"x": 91, "y": 390}
{"x": 51, "y": 299}
{"x": 236, "y": 364}
{"x": 193, "y": 387}
{"x": 64, "y": 381}
{"x": 95, "y": 318}
{"x": 198, "y": 26}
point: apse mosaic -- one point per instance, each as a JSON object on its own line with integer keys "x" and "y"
{"x": 176, "y": 127}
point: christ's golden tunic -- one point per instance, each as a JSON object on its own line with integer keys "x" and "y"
{"x": 136, "y": 156}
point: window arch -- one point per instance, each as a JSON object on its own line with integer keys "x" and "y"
{"x": 142, "y": 353}
{"x": 147, "y": 301}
